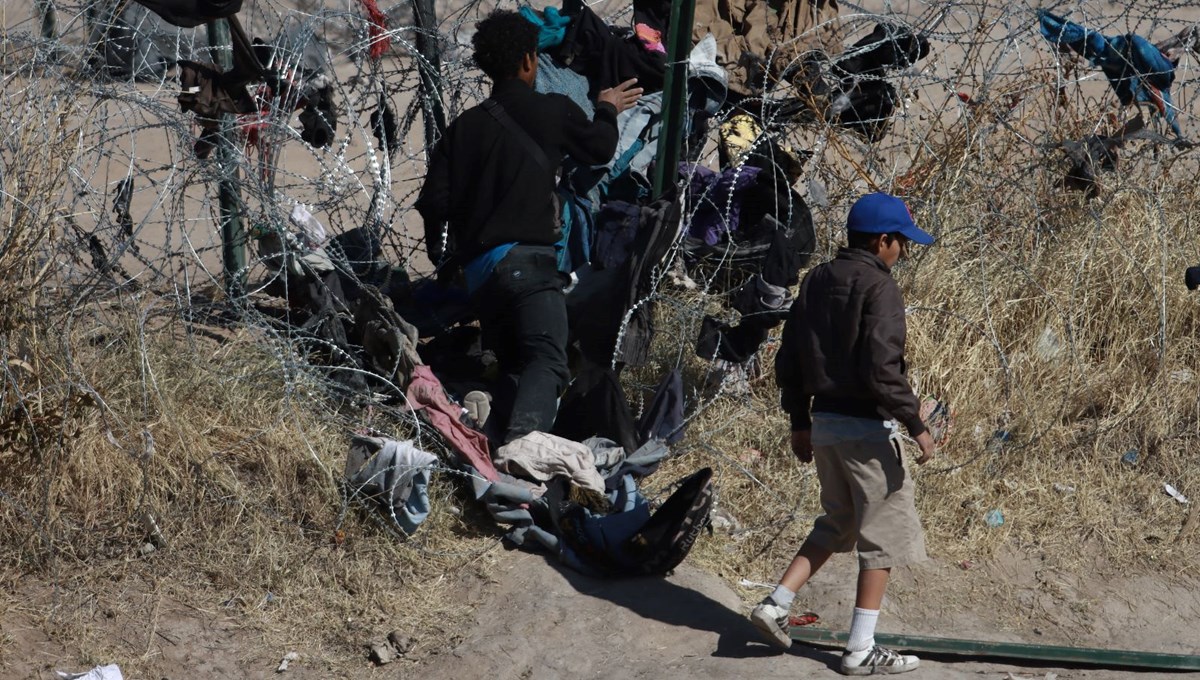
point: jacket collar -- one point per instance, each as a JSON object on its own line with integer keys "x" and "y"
{"x": 860, "y": 255}
{"x": 510, "y": 85}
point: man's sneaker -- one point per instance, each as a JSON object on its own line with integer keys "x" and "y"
{"x": 877, "y": 660}
{"x": 772, "y": 620}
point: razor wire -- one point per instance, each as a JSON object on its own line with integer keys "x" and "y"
{"x": 142, "y": 212}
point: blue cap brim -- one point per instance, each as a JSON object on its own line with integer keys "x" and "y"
{"x": 917, "y": 235}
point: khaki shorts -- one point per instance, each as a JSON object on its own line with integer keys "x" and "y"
{"x": 866, "y": 494}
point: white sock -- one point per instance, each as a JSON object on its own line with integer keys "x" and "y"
{"x": 783, "y": 597}
{"x": 862, "y": 630}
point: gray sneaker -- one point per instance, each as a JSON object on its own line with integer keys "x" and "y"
{"x": 879, "y": 660}
{"x": 478, "y": 405}
{"x": 772, "y": 621}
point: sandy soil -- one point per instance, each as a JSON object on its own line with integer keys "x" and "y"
{"x": 692, "y": 625}
{"x": 534, "y": 619}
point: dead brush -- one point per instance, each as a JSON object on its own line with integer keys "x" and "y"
{"x": 151, "y": 466}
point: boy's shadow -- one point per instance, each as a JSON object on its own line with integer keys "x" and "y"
{"x": 661, "y": 600}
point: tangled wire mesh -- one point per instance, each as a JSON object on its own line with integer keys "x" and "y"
{"x": 1050, "y": 317}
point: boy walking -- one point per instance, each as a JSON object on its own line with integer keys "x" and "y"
{"x": 841, "y": 371}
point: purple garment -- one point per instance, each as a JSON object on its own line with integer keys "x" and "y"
{"x": 709, "y": 195}
{"x": 616, "y": 228}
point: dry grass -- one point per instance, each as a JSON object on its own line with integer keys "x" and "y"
{"x": 1061, "y": 322}
{"x": 116, "y": 409}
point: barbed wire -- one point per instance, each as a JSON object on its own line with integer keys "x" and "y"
{"x": 144, "y": 211}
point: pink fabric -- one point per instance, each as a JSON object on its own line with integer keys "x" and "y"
{"x": 425, "y": 392}
{"x": 650, "y": 38}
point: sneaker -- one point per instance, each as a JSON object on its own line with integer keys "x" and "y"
{"x": 772, "y": 621}
{"x": 877, "y": 660}
{"x": 479, "y": 406}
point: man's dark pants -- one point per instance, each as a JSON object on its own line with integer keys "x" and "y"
{"x": 523, "y": 316}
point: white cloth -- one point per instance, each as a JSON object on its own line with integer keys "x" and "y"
{"x": 393, "y": 474}
{"x": 109, "y": 672}
{"x": 542, "y": 457}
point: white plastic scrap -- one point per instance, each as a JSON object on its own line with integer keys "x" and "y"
{"x": 109, "y": 672}
{"x": 1048, "y": 347}
{"x": 747, "y": 583}
{"x": 1174, "y": 493}
{"x": 287, "y": 659}
{"x": 310, "y": 227}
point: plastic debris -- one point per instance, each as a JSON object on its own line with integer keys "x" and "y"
{"x": 994, "y": 518}
{"x": 966, "y": 564}
{"x": 724, "y": 522}
{"x": 1130, "y": 457}
{"x": 1048, "y": 347}
{"x": 311, "y": 229}
{"x": 287, "y": 659}
{"x": 747, "y": 583}
{"x": 998, "y": 440}
{"x": 805, "y": 619}
{"x": 818, "y": 195}
{"x": 1183, "y": 375}
{"x": 1174, "y": 493}
{"x": 109, "y": 672}
{"x": 1064, "y": 488}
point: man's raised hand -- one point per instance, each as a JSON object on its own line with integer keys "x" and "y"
{"x": 622, "y": 96}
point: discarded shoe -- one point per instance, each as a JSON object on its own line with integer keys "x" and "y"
{"x": 877, "y": 660}
{"x": 478, "y": 405}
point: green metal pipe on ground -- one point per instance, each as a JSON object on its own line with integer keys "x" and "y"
{"x": 1109, "y": 658}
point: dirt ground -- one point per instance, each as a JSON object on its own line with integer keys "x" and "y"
{"x": 526, "y": 617}
{"x": 692, "y": 625}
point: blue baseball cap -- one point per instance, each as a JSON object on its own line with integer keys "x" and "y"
{"x": 881, "y": 213}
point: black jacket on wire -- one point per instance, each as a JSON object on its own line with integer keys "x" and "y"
{"x": 487, "y": 185}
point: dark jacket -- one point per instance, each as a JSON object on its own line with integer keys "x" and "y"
{"x": 843, "y": 345}
{"x": 488, "y": 185}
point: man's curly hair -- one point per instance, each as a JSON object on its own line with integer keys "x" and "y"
{"x": 501, "y": 40}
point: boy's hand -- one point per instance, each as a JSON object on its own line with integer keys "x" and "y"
{"x": 622, "y": 96}
{"x": 928, "y": 448}
{"x": 802, "y": 445}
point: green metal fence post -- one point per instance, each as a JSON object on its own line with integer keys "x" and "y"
{"x": 434, "y": 116}
{"x": 233, "y": 236}
{"x": 679, "y": 47}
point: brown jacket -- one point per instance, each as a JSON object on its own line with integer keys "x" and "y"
{"x": 843, "y": 345}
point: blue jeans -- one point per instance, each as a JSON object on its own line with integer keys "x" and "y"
{"x": 523, "y": 317}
